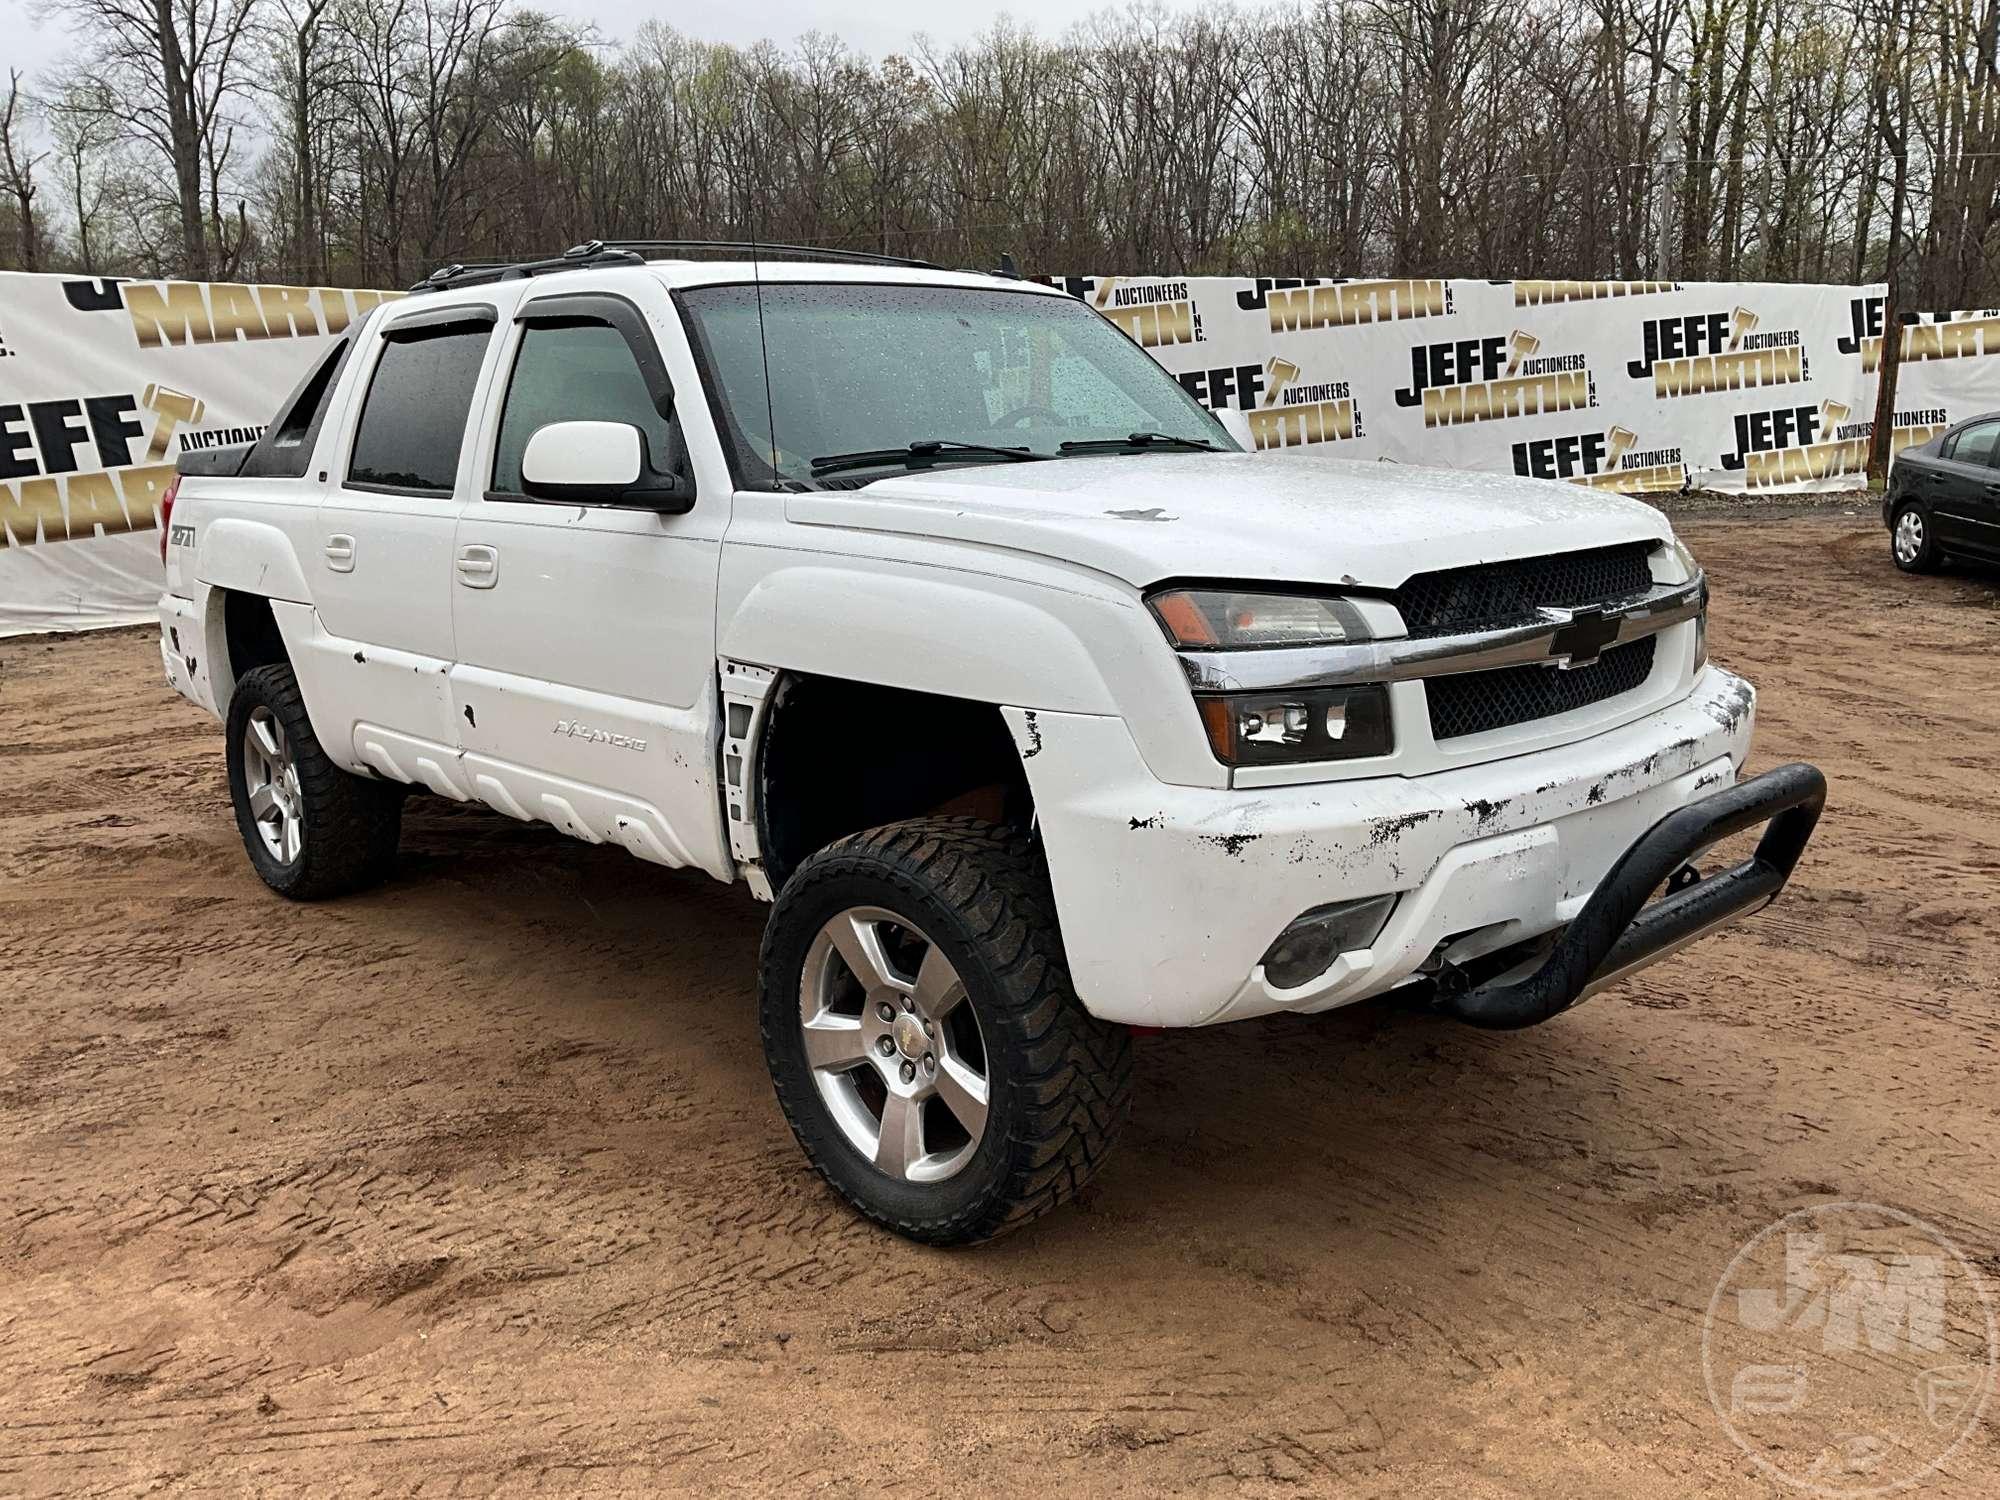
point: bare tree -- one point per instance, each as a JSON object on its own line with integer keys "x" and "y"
{"x": 17, "y": 172}
{"x": 1789, "y": 139}
{"x": 172, "y": 72}
{"x": 87, "y": 138}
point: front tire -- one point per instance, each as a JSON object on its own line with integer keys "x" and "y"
{"x": 1911, "y": 544}
{"x": 923, "y": 1038}
{"x": 311, "y": 829}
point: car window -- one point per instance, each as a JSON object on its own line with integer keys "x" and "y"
{"x": 413, "y": 420}
{"x": 575, "y": 372}
{"x": 804, "y": 369}
{"x": 1975, "y": 444}
{"x": 285, "y": 450}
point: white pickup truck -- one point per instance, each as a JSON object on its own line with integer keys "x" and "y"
{"x": 929, "y": 606}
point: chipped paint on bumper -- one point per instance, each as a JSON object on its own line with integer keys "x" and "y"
{"x": 1170, "y": 895}
{"x": 183, "y": 652}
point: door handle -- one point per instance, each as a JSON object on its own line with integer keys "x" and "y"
{"x": 478, "y": 566}
{"x": 340, "y": 553}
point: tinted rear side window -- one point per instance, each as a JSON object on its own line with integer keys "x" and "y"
{"x": 413, "y": 422}
{"x": 286, "y": 448}
{"x": 1975, "y": 444}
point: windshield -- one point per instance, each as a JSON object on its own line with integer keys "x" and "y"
{"x": 858, "y": 367}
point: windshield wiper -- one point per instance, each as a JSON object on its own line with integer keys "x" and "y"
{"x": 1136, "y": 440}
{"x": 920, "y": 454}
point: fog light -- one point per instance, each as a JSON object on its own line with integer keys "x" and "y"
{"x": 1308, "y": 947}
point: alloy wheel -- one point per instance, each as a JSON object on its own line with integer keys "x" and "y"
{"x": 894, "y": 1045}
{"x": 271, "y": 782}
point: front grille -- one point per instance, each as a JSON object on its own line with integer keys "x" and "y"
{"x": 1491, "y": 596}
{"x": 1474, "y": 702}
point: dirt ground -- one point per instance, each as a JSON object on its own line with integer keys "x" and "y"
{"x": 475, "y": 1184}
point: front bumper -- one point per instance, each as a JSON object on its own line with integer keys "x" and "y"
{"x": 1169, "y": 896}
{"x": 1617, "y": 934}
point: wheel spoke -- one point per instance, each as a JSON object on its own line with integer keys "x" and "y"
{"x": 937, "y": 989}
{"x": 834, "y": 1042}
{"x": 859, "y": 943}
{"x": 265, "y": 733}
{"x": 964, "y": 1094}
{"x": 263, "y": 803}
{"x": 901, "y": 1142}
{"x": 290, "y": 828}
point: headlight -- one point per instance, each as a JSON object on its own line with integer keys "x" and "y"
{"x": 1228, "y": 620}
{"x": 1284, "y": 726}
{"x": 1692, "y": 569}
{"x": 1689, "y": 567}
{"x": 1275, "y": 729}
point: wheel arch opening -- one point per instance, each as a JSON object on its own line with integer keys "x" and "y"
{"x": 251, "y": 635}
{"x": 837, "y": 756}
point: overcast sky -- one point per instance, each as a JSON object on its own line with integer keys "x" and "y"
{"x": 872, "y": 26}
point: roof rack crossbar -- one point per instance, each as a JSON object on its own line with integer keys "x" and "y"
{"x": 482, "y": 273}
{"x": 773, "y": 250}
{"x": 636, "y": 252}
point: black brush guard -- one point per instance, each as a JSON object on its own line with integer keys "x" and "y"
{"x": 1613, "y": 936}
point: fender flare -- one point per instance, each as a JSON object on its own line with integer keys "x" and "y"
{"x": 251, "y": 557}
{"x": 998, "y": 645}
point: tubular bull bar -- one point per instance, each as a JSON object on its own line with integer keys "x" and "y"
{"x": 1617, "y": 934}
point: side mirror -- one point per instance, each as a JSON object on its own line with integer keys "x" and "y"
{"x": 1237, "y": 425}
{"x": 599, "y": 463}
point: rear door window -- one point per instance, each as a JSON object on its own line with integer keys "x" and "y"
{"x": 413, "y": 420}
{"x": 1975, "y": 444}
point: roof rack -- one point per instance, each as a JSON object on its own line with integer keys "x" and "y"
{"x": 481, "y": 273}
{"x": 772, "y": 250}
{"x": 636, "y": 253}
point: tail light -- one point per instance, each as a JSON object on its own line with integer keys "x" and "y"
{"x": 167, "y": 515}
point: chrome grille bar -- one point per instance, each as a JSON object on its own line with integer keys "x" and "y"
{"x": 1402, "y": 659}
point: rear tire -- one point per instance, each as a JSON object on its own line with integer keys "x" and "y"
{"x": 311, "y": 829}
{"x": 956, "y": 1088}
{"x": 1912, "y": 547}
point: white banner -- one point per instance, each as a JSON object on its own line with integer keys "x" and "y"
{"x": 1634, "y": 386}
{"x": 1948, "y": 372}
{"x": 1626, "y": 385}
{"x": 103, "y": 384}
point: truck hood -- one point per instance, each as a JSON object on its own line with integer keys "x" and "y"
{"x": 1276, "y": 517}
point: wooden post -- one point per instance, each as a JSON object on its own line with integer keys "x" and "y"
{"x": 1885, "y": 384}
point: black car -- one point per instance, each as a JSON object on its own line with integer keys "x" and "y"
{"x": 1944, "y": 497}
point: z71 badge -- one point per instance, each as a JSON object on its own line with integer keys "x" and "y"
{"x": 180, "y": 536}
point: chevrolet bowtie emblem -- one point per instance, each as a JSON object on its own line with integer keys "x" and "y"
{"x": 1582, "y": 636}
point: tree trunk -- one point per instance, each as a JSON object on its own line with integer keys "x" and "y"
{"x": 1883, "y": 433}
{"x": 310, "y": 268}
{"x": 20, "y": 179}
{"x": 1880, "y": 437}
{"x": 186, "y": 143}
